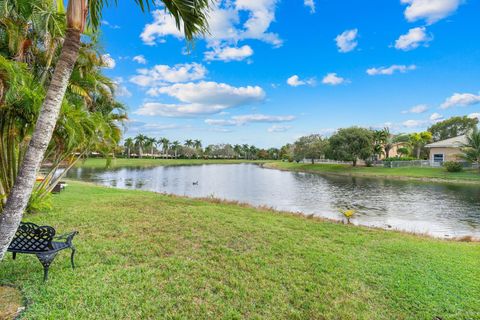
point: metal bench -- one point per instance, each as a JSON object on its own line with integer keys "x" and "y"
{"x": 39, "y": 240}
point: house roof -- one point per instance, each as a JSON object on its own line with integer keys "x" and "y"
{"x": 455, "y": 142}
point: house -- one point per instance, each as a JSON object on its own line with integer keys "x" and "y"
{"x": 394, "y": 151}
{"x": 447, "y": 150}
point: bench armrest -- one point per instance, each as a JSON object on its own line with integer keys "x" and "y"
{"x": 68, "y": 237}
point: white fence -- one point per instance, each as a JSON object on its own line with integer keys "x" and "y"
{"x": 325, "y": 161}
{"x": 393, "y": 164}
{"x": 412, "y": 163}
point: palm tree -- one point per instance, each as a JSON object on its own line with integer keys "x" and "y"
{"x": 253, "y": 152}
{"x": 238, "y": 150}
{"x": 471, "y": 150}
{"x": 419, "y": 140}
{"x": 188, "y": 143}
{"x": 246, "y": 150}
{"x": 387, "y": 141}
{"x": 175, "y": 145}
{"x": 140, "y": 140}
{"x": 197, "y": 144}
{"x": 165, "y": 144}
{"x": 192, "y": 16}
{"x": 379, "y": 140}
{"x": 152, "y": 143}
{"x": 129, "y": 144}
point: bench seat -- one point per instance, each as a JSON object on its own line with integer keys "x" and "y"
{"x": 39, "y": 240}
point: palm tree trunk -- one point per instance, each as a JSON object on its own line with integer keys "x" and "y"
{"x": 22, "y": 189}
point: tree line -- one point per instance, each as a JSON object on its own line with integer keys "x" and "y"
{"x": 144, "y": 146}
{"x": 356, "y": 143}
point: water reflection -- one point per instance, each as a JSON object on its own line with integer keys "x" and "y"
{"x": 437, "y": 209}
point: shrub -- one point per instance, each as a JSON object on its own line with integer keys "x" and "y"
{"x": 39, "y": 204}
{"x": 453, "y": 166}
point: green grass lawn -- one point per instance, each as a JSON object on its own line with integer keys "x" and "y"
{"x": 148, "y": 162}
{"x": 143, "y": 255}
{"x": 468, "y": 176}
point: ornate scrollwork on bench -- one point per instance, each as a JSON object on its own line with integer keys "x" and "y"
{"x": 39, "y": 240}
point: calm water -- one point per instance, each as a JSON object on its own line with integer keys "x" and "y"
{"x": 438, "y": 209}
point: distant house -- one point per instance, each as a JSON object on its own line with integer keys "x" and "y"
{"x": 393, "y": 152}
{"x": 447, "y": 150}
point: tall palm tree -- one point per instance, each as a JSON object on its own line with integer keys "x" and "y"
{"x": 165, "y": 144}
{"x": 140, "y": 140}
{"x": 246, "y": 150}
{"x": 253, "y": 152}
{"x": 189, "y": 143}
{"x": 191, "y": 15}
{"x": 175, "y": 146}
{"x": 152, "y": 143}
{"x": 129, "y": 144}
{"x": 197, "y": 144}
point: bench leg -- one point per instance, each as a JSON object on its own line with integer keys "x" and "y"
{"x": 46, "y": 260}
{"x": 72, "y": 257}
{"x": 14, "y": 255}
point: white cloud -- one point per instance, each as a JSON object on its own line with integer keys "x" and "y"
{"x": 108, "y": 24}
{"x": 390, "y": 70}
{"x": 249, "y": 118}
{"x": 460, "y": 100}
{"x": 229, "y": 22}
{"x": 310, "y": 4}
{"x": 133, "y": 127}
{"x": 417, "y": 124}
{"x": 413, "y": 123}
{"x": 333, "y": 79}
{"x": 346, "y": 41}
{"x": 229, "y": 53}
{"x": 108, "y": 62}
{"x": 120, "y": 89}
{"x": 413, "y": 39}
{"x": 164, "y": 74}
{"x": 294, "y": 81}
{"x": 430, "y": 10}
{"x": 262, "y": 118}
{"x": 421, "y": 108}
{"x": 163, "y": 24}
{"x": 474, "y": 115}
{"x": 140, "y": 59}
{"x": 435, "y": 117}
{"x": 202, "y": 98}
{"x": 277, "y": 128}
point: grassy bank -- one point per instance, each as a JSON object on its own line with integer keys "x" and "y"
{"x": 123, "y": 162}
{"x": 414, "y": 173}
{"x": 142, "y": 255}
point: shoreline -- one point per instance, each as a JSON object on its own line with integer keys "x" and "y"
{"x": 272, "y": 165}
{"x": 298, "y": 214}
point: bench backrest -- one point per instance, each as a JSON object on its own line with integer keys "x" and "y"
{"x": 32, "y": 238}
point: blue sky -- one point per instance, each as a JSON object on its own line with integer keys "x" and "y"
{"x": 271, "y": 71}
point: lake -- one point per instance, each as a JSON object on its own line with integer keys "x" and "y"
{"x": 442, "y": 210}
